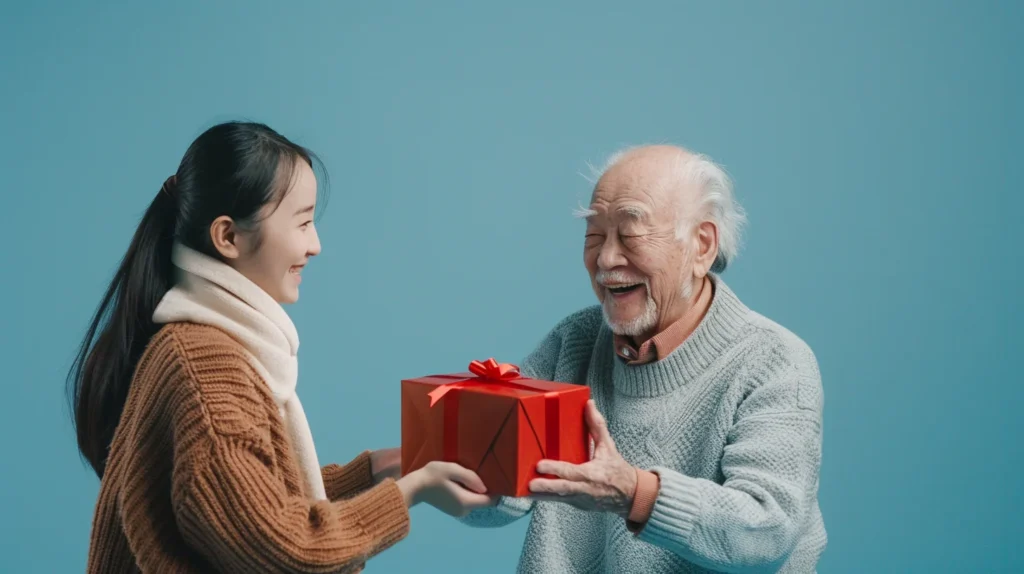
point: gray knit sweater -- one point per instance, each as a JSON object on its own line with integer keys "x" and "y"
{"x": 730, "y": 421}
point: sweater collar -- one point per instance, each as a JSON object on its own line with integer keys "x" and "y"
{"x": 724, "y": 321}
{"x": 661, "y": 345}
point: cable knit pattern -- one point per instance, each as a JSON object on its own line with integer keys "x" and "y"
{"x": 730, "y": 421}
{"x": 202, "y": 476}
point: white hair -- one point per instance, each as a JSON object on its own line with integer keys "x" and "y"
{"x": 716, "y": 204}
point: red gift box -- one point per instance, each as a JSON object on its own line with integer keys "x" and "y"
{"x": 494, "y": 422}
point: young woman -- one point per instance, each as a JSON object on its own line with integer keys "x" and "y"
{"x": 184, "y": 388}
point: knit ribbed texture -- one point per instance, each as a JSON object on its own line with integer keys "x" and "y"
{"x": 731, "y": 423}
{"x": 201, "y": 476}
{"x": 353, "y": 477}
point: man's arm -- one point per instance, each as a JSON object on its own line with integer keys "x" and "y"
{"x": 751, "y": 522}
{"x": 507, "y": 511}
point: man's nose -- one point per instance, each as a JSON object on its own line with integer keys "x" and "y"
{"x": 611, "y": 255}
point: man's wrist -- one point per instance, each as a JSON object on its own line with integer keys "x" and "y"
{"x": 632, "y": 487}
{"x": 647, "y": 486}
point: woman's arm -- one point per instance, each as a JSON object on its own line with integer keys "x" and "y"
{"x": 237, "y": 513}
{"x": 344, "y": 481}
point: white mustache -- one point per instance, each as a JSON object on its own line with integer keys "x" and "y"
{"x": 617, "y": 278}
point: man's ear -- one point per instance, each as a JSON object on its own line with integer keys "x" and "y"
{"x": 707, "y": 248}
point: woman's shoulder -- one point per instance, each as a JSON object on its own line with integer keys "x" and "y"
{"x": 210, "y": 368}
{"x": 197, "y": 351}
{"x": 192, "y": 342}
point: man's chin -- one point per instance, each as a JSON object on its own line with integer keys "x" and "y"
{"x": 626, "y": 325}
{"x": 619, "y": 324}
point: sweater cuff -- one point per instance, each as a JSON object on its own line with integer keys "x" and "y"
{"x": 344, "y": 481}
{"x": 382, "y": 513}
{"x": 643, "y": 500}
{"x": 675, "y": 511}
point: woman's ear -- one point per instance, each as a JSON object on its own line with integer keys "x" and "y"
{"x": 224, "y": 235}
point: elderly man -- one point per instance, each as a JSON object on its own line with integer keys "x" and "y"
{"x": 709, "y": 457}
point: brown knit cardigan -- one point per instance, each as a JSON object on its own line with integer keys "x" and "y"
{"x": 201, "y": 477}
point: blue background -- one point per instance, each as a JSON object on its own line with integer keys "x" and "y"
{"x": 875, "y": 147}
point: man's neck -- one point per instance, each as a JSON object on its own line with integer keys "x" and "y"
{"x": 693, "y": 312}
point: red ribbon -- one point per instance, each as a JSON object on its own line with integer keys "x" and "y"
{"x": 491, "y": 372}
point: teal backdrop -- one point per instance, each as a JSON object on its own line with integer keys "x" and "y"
{"x": 875, "y": 145}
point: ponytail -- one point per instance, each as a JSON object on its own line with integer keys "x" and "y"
{"x": 101, "y": 374}
{"x": 233, "y": 169}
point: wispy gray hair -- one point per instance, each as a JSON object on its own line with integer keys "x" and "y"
{"x": 717, "y": 202}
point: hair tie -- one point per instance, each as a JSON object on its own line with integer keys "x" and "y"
{"x": 170, "y": 187}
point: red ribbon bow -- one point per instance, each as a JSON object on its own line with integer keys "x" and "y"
{"x": 491, "y": 369}
{"x": 489, "y": 372}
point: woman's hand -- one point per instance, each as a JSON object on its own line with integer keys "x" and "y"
{"x": 386, "y": 463}
{"x": 450, "y": 488}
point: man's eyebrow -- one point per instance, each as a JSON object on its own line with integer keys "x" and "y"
{"x": 629, "y": 211}
{"x": 584, "y": 213}
{"x": 633, "y": 211}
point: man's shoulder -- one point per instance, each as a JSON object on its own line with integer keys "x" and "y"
{"x": 765, "y": 336}
{"x": 779, "y": 338}
{"x": 584, "y": 323}
{"x": 778, "y": 354}
{"x": 566, "y": 346}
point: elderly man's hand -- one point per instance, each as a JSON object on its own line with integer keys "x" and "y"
{"x": 606, "y": 483}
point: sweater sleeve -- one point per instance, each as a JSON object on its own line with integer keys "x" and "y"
{"x": 343, "y": 481}
{"x": 505, "y": 512}
{"x": 236, "y": 513}
{"x": 231, "y": 504}
{"x": 751, "y": 522}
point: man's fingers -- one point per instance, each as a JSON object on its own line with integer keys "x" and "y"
{"x": 598, "y": 427}
{"x": 561, "y": 469}
{"x": 555, "y": 486}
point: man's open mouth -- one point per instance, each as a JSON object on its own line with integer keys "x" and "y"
{"x": 622, "y": 289}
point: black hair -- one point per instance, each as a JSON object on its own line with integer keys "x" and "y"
{"x": 233, "y": 169}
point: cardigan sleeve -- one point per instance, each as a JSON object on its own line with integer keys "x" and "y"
{"x": 237, "y": 514}
{"x": 231, "y": 504}
{"x": 343, "y": 481}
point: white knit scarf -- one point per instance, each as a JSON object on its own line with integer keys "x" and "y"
{"x": 212, "y": 293}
